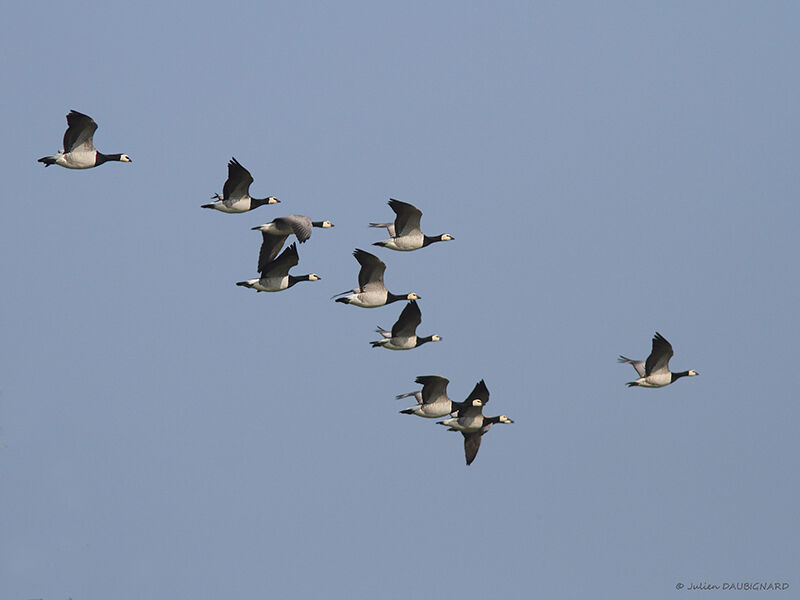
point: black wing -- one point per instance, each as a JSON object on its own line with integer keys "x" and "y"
{"x": 433, "y": 387}
{"x": 270, "y": 247}
{"x": 472, "y": 443}
{"x": 408, "y": 321}
{"x": 372, "y": 269}
{"x": 238, "y": 183}
{"x": 660, "y": 355}
{"x": 407, "y": 219}
{"x": 480, "y": 391}
{"x": 281, "y": 265}
{"x": 80, "y": 132}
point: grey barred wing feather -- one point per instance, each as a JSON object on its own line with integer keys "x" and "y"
{"x": 659, "y": 356}
{"x": 636, "y": 364}
{"x": 407, "y": 220}
{"x": 80, "y": 133}
{"x": 237, "y": 186}
{"x": 371, "y": 273}
{"x": 270, "y": 247}
{"x": 281, "y": 265}
{"x": 409, "y": 320}
{"x": 301, "y": 226}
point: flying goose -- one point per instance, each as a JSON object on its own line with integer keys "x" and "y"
{"x": 405, "y": 232}
{"x": 654, "y": 372}
{"x": 371, "y": 291}
{"x": 471, "y": 422}
{"x": 472, "y": 441}
{"x": 432, "y": 399}
{"x": 300, "y": 225}
{"x": 275, "y": 274}
{"x": 235, "y": 197}
{"x": 403, "y": 335}
{"x": 276, "y": 231}
{"x": 79, "y": 152}
{"x": 470, "y": 417}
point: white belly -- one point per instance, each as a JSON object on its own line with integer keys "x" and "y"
{"x": 273, "y": 284}
{"x": 366, "y": 300}
{"x": 433, "y": 411}
{"x": 83, "y": 160}
{"x": 406, "y": 243}
{"x": 655, "y": 380}
{"x": 401, "y": 343}
{"x": 240, "y": 206}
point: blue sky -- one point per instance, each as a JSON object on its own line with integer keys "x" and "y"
{"x": 608, "y": 170}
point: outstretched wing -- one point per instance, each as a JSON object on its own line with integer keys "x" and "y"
{"x": 480, "y": 392}
{"x": 372, "y": 268}
{"x": 270, "y": 247}
{"x": 637, "y": 364}
{"x": 472, "y": 443}
{"x": 407, "y": 219}
{"x": 80, "y": 132}
{"x": 301, "y": 226}
{"x": 659, "y": 356}
{"x": 433, "y": 387}
{"x": 410, "y": 318}
{"x": 237, "y": 186}
{"x": 281, "y": 265}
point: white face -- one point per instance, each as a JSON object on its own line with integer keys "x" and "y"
{"x": 436, "y": 338}
{"x": 413, "y": 296}
{"x": 272, "y": 200}
{"x": 477, "y": 402}
{"x": 314, "y": 277}
{"x": 327, "y": 224}
{"x": 693, "y": 373}
{"x": 446, "y": 237}
{"x": 505, "y": 419}
{"x": 125, "y": 158}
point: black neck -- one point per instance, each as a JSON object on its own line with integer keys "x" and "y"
{"x": 423, "y": 340}
{"x": 431, "y": 239}
{"x": 256, "y": 202}
{"x": 679, "y": 375}
{"x": 101, "y": 158}
{"x": 317, "y": 223}
{"x": 390, "y": 297}
{"x": 294, "y": 279}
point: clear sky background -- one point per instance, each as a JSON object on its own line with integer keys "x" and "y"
{"x": 608, "y": 170}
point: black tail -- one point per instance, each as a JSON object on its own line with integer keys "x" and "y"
{"x": 408, "y": 411}
{"x": 342, "y": 300}
{"x": 47, "y": 160}
{"x": 376, "y": 344}
{"x": 242, "y": 283}
{"x": 631, "y": 384}
{"x": 381, "y": 244}
{"x": 206, "y": 206}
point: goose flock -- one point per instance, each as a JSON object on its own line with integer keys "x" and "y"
{"x": 405, "y": 235}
